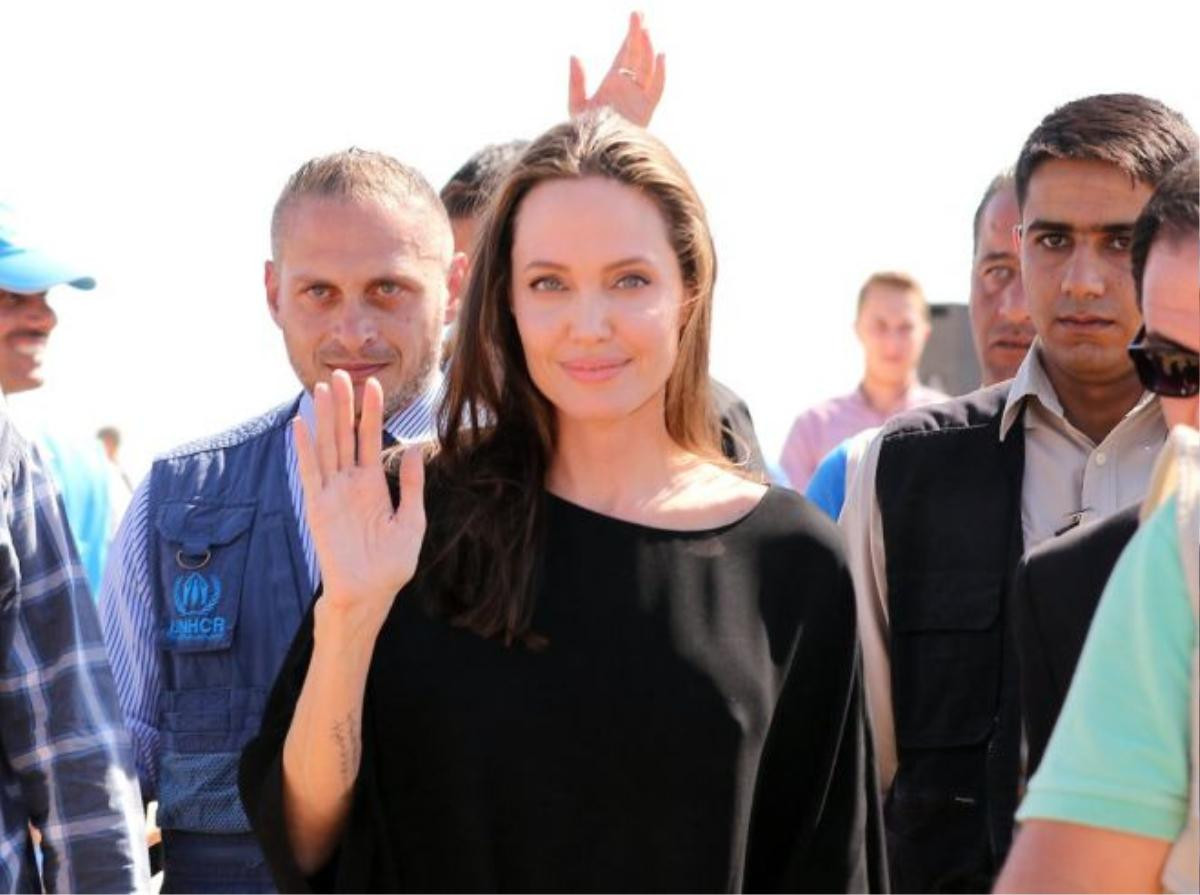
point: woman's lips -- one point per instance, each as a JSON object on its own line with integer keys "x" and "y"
{"x": 594, "y": 370}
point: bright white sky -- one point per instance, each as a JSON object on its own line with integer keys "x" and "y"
{"x": 827, "y": 141}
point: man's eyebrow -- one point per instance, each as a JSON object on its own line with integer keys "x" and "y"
{"x": 1043, "y": 224}
{"x": 997, "y": 256}
{"x": 311, "y": 279}
{"x": 1119, "y": 227}
{"x": 401, "y": 278}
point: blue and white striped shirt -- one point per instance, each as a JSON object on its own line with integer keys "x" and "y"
{"x": 65, "y": 762}
{"x": 126, "y": 599}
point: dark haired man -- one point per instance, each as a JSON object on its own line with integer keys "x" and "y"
{"x": 1000, "y": 324}
{"x": 466, "y": 193}
{"x": 950, "y": 496}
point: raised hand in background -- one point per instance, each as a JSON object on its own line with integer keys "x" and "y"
{"x": 634, "y": 83}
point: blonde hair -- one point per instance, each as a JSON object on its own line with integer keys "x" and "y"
{"x": 893, "y": 279}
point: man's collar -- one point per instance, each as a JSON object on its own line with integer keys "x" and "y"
{"x": 415, "y": 422}
{"x": 1032, "y": 381}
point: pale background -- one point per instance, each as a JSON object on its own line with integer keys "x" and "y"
{"x": 151, "y": 140}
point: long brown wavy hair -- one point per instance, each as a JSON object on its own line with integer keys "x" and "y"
{"x": 497, "y": 431}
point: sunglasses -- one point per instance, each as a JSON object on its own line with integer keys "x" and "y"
{"x": 1165, "y": 367}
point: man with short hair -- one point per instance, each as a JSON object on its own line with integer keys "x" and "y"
{"x": 950, "y": 496}
{"x": 1116, "y": 804}
{"x": 467, "y": 192}
{"x": 214, "y": 565}
{"x": 892, "y": 324}
{"x": 1000, "y": 324}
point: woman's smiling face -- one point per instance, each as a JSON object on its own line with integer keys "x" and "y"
{"x": 597, "y": 294}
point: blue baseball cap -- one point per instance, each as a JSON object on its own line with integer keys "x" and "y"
{"x": 24, "y": 268}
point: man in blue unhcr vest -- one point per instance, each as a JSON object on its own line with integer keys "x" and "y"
{"x": 213, "y": 566}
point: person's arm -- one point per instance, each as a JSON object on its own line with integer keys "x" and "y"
{"x": 817, "y": 824}
{"x": 827, "y": 487}
{"x": 862, "y": 529}
{"x": 1055, "y": 856}
{"x": 634, "y": 83}
{"x": 367, "y": 553}
{"x": 1111, "y": 793}
{"x": 60, "y": 724}
{"x": 127, "y": 618}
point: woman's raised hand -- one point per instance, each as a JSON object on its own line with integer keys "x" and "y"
{"x": 366, "y": 551}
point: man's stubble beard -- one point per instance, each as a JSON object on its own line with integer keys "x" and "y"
{"x": 413, "y": 387}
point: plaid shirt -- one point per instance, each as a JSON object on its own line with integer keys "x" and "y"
{"x": 65, "y": 761}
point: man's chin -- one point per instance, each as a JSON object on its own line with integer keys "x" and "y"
{"x": 24, "y": 383}
{"x": 1089, "y": 361}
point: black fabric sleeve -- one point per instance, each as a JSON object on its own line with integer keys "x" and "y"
{"x": 817, "y": 824}
{"x": 358, "y": 863}
{"x": 260, "y": 772}
{"x": 1033, "y": 663}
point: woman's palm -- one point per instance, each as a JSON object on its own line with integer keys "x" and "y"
{"x": 366, "y": 551}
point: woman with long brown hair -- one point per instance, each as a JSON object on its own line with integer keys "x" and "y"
{"x": 607, "y": 660}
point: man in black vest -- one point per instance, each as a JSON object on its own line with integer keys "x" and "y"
{"x": 1058, "y": 584}
{"x": 950, "y": 496}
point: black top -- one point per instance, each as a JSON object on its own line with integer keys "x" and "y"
{"x": 695, "y": 723}
{"x": 1055, "y": 593}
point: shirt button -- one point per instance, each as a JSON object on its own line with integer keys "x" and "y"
{"x": 1101, "y": 458}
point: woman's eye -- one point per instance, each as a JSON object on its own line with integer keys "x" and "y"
{"x": 547, "y": 284}
{"x": 632, "y": 281}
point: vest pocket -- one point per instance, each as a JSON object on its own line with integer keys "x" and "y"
{"x": 198, "y": 792}
{"x": 946, "y": 655}
{"x": 202, "y": 561}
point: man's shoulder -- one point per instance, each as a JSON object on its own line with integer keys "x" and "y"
{"x": 826, "y": 409}
{"x": 980, "y": 408}
{"x": 15, "y": 450}
{"x": 235, "y": 435}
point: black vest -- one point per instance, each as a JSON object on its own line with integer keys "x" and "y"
{"x": 950, "y": 500}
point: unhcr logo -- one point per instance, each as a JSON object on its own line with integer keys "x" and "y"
{"x": 195, "y": 597}
{"x": 196, "y": 594}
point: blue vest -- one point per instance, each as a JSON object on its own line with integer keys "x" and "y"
{"x": 231, "y": 587}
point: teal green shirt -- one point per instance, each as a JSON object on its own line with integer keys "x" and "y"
{"x": 1118, "y": 757}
